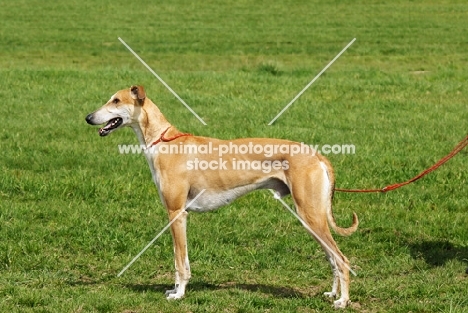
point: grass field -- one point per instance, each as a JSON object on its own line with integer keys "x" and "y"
{"x": 73, "y": 211}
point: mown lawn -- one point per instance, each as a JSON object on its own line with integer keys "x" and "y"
{"x": 74, "y": 212}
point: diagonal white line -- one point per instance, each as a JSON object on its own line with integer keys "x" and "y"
{"x": 313, "y": 80}
{"x": 162, "y": 81}
{"x": 160, "y": 233}
{"x": 310, "y": 229}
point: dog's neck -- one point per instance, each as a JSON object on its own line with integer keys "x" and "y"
{"x": 152, "y": 124}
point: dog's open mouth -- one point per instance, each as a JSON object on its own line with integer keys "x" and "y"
{"x": 110, "y": 126}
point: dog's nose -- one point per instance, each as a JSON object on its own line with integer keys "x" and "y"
{"x": 89, "y": 118}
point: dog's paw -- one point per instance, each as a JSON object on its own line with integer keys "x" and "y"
{"x": 174, "y": 296}
{"x": 330, "y": 294}
{"x": 340, "y": 303}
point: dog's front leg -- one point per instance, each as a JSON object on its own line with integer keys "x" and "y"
{"x": 182, "y": 266}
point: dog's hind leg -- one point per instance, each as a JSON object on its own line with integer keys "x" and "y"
{"x": 312, "y": 199}
{"x": 336, "y": 276}
{"x": 340, "y": 279}
{"x": 339, "y": 263}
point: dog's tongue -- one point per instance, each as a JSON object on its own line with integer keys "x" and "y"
{"x": 104, "y": 130}
{"x": 113, "y": 123}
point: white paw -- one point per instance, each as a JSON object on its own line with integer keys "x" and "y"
{"x": 340, "y": 303}
{"x": 330, "y": 294}
{"x": 175, "y": 296}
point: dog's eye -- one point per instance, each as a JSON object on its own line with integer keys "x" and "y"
{"x": 116, "y": 100}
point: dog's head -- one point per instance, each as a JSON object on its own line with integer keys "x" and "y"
{"x": 123, "y": 109}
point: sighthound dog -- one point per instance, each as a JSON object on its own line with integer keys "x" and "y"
{"x": 180, "y": 177}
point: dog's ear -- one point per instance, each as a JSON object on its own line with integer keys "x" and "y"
{"x": 138, "y": 93}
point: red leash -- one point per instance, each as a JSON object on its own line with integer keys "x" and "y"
{"x": 162, "y": 139}
{"x": 457, "y": 149}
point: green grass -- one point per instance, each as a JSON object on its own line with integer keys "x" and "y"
{"x": 73, "y": 211}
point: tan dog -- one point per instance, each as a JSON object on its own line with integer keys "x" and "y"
{"x": 184, "y": 165}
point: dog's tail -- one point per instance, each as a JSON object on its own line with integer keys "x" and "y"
{"x": 331, "y": 190}
{"x": 344, "y": 231}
